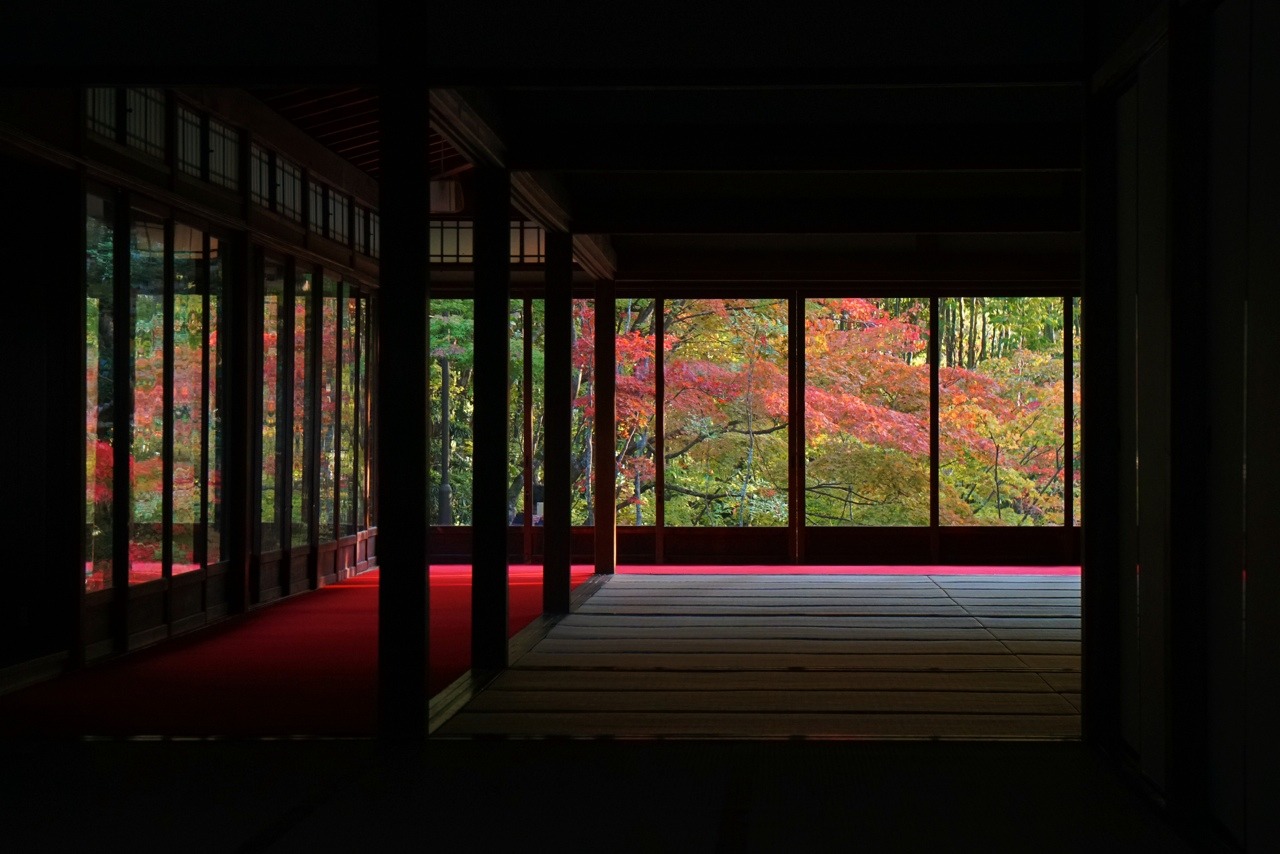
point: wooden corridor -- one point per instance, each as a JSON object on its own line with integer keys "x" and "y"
{"x": 817, "y": 656}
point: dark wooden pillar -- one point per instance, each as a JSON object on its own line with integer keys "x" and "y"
{"x": 1190, "y": 425}
{"x": 42, "y": 327}
{"x": 489, "y": 523}
{"x": 1262, "y": 488}
{"x": 558, "y": 427}
{"x": 796, "y": 430}
{"x": 401, "y": 341}
{"x": 1100, "y": 434}
{"x": 606, "y": 515}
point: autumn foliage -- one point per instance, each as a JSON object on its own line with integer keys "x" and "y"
{"x": 724, "y": 444}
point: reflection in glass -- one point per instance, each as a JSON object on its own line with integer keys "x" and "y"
{"x": 275, "y": 403}
{"x": 215, "y": 542}
{"x": 538, "y": 406}
{"x": 725, "y": 413}
{"x": 1001, "y": 411}
{"x": 303, "y": 423}
{"x": 348, "y": 448}
{"x": 99, "y": 380}
{"x": 146, "y": 290}
{"x": 515, "y": 411}
{"x": 867, "y": 412}
{"x": 364, "y": 518}
{"x": 186, "y": 414}
{"x": 328, "y": 407}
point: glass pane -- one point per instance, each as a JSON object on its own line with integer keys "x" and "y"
{"x": 101, "y": 110}
{"x": 259, "y": 176}
{"x": 303, "y": 424}
{"x": 275, "y": 403}
{"x": 726, "y": 412}
{"x": 363, "y": 469}
{"x": 1001, "y": 413}
{"x": 144, "y": 127}
{"x": 224, "y": 155}
{"x": 146, "y": 274}
{"x": 216, "y": 541}
{"x": 1075, "y": 408}
{"x": 189, "y": 154}
{"x": 867, "y": 412}
{"x": 582, "y": 458}
{"x": 328, "y": 409}
{"x": 635, "y": 411}
{"x": 539, "y": 403}
{"x": 316, "y": 213}
{"x": 452, "y": 405}
{"x": 347, "y": 445}
{"x": 187, "y": 413}
{"x": 99, "y": 379}
{"x": 515, "y": 412}
{"x": 290, "y": 187}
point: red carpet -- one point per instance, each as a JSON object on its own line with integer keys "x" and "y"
{"x": 307, "y": 665}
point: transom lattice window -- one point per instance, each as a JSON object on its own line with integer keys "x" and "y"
{"x": 339, "y": 205}
{"x": 131, "y": 117}
{"x": 451, "y": 242}
{"x": 100, "y": 109}
{"x": 189, "y": 147}
{"x": 144, "y": 122}
{"x": 224, "y": 155}
{"x": 288, "y": 189}
{"x": 315, "y": 215}
{"x": 527, "y": 242}
{"x": 260, "y": 176}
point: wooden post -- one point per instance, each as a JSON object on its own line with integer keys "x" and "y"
{"x": 606, "y": 431}
{"x": 401, "y": 342}
{"x": 557, "y": 505}
{"x": 489, "y": 522}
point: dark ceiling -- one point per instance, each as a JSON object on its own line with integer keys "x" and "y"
{"x": 980, "y": 154}
{"x": 345, "y": 120}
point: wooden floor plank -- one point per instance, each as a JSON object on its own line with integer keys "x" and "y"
{"x": 940, "y": 609}
{"x": 771, "y": 680}
{"x": 1034, "y": 633}
{"x": 788, "y": 702}
{"x": 776, "y": 646}
{"x": 767, "y": 661}
{"x": 916, "y": 632}
{"x": 1050, "y": 662}
{"x": 772, "y": 725}
{"x": 1029, "y": 622}
{"x": 1063, "y": 682}
{"x": 780, "y": 620}
{"x": 652, "y": 600}
{"x": 1051, "y": 647}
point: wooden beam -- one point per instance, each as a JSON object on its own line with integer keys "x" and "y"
{"x": 458, "y": 122}
{"x": 606, "y": 514}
